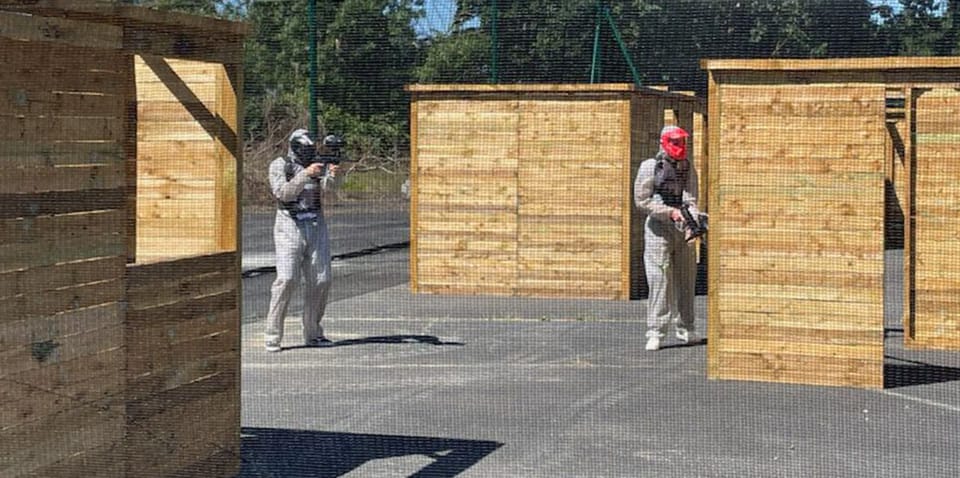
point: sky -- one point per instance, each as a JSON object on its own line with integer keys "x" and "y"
{"x": 439, "y": 15}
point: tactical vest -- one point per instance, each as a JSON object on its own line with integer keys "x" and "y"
{"x": 670, "y": 178}
{"x": 295, "y": 207}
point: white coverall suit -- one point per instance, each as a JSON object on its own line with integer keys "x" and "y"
{"x": 302, "y": 247}
{"x": 669, "y": 260}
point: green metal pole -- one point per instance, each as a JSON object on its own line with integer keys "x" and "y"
{"x": 623, "y": 47}
{"x": 595, "y": 63}
{"x": 494, "y": 43}
{"x": 312, "y": 58}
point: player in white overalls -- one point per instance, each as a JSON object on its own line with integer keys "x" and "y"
{"x": 301, "y": 240}
{"x": 663, "y": 183}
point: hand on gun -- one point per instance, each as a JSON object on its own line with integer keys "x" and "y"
{"x": 692, "y": 226}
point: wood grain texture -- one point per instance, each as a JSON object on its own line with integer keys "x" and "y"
{"x": 796, "y": 179}
{"x": 935, "y": 321}
{"x": 527, "y": 189}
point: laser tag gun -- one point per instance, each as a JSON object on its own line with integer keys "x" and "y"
{"x": 693, "y": 227}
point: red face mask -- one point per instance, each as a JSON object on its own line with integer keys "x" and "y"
{"x": 674, "y": 143}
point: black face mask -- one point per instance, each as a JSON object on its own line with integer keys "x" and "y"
{"x": 304, "y": 153}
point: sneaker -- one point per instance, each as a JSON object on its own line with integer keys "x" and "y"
{"x": 319, "y": 342}
{"x": 686, "y": 336}
{"x": 653, "y": 343}
{"x": 273, "y": 346}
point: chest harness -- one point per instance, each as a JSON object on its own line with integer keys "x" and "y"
{"x": 297, "y": 209}
{"x": 670, "y": 177}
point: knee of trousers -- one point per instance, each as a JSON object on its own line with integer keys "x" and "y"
{"x": 321, "y": 283}
{"x": 281, "y": 285}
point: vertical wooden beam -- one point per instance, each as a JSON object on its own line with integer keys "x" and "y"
{"x": 130, "y": 154}
{"x": 414, "y": 216}
{"x": 909, "y": 218}
{"x": 625, "y": 172}
{"x": 713, "y": 259}
{"x": 229, "y": 156}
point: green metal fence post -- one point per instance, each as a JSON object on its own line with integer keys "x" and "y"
{"x": 312, "y": 83}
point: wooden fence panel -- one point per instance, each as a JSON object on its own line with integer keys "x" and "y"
{"x": 464, "y": 214}
{"x": 186, "y": 170}
{"x": 62, "y": 255}
{"x": 574, "y": 198}
{"x": 936, "y": 222}
{"x": 796, "y": 199}
{"x": 182, "y": 395}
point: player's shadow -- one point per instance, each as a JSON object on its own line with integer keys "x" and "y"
{"x": 274, "y": 452}
{"x": 384, "y": 339}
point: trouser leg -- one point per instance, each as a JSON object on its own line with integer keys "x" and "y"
{"x": 656, "y": 261}
{"x": 289, "y": 248}
{"x": 317, "y": 277}
{"x": 684, "y": 265}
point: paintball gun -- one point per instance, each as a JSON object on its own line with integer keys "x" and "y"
{"x": 693, "y": 227}
{"x": 331, "y": 150}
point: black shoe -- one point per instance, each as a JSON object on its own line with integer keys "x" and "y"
{"x": 319, "y": 342}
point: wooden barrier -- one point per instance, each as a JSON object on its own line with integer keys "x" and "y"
{"x": 527, "y": 189}
{"x": 183, "y": 367}
{"x": 934, "y": 229}
{"x": 62, "y": 254}
{"x": 110, "y": 360}
{"x": 803, "y": 161}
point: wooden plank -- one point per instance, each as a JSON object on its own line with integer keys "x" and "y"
{"x": 46, "y": 350}
{"x": 26, "y": 331}
{"x": 30, "y": 230}
{"x": 799, "y": 369}
{"x": 881, "y": 63}
{"x": 172, "y": 439}
{"x": 41, "y": 178}
{"x": 25, "y": 401}
{"x": 96, "y": 462}
{"x": 526, "y": 87}
{"x": 22, "y": 256}
{"x": 108, "y": 13}
{"x": 34, "y": 445}
{"x": 27, "y": 101}
{"x": 153, "y": 369}
{"x": 60, "y": 129}
{"x": 59, "y": 30}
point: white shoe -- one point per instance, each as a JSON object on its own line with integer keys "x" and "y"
{"x": 653, "y": 343}
{"x": 273, "y": 346}
{"x": 686, "y": 336}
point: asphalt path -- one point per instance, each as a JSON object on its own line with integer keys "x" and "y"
{"x": 442, "y": 386}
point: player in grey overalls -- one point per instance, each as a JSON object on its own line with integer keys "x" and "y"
{"x": 663, "y": 183}
{"x": 301, "y": 240}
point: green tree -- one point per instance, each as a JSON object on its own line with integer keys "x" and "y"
{"x": 922, "y": 27}
{"x": 541, "y": 40}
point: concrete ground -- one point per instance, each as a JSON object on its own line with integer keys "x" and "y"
{"x": 442, "y": 386}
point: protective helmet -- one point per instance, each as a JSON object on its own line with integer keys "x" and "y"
{"x": 302, "y": 149}
{"x": 673, "y": 141}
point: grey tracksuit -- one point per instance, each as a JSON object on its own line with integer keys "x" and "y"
{"x": 302, "y": 249}
{"x": 669, "y": 261}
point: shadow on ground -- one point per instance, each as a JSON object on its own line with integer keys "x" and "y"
{"x": 911, "y": 372}
{"x": 272, "y": 452}
{"x": 386, "y": 339}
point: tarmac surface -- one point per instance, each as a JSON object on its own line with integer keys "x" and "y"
{"x": 442, "y": 386}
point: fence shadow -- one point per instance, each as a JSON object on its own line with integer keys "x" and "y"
{"x": 273, "y": 452}
{"x": 916, "y": 373}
